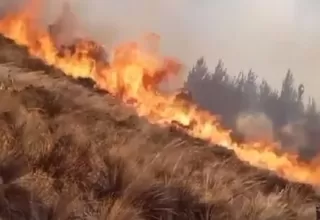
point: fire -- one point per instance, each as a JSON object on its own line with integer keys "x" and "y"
{"x": 133, "y": 74}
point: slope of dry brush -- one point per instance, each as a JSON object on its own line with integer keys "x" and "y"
{"x": 63, "y": 159}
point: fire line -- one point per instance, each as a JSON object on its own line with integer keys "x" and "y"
{"x": 133, "y": 74}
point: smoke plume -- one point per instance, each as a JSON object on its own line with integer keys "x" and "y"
{"x": 255, "y": 126}
{"x": 268, "y": 36}
{"x": 293, "y": 135}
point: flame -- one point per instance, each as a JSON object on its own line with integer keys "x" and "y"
{"x": 133, "y": 74}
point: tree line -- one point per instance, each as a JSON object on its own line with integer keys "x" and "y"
{"x": 229, "y": 96}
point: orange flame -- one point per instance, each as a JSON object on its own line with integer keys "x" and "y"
{"x": 134, "y": 74}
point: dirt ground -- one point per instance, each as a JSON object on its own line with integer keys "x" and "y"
{"x": 70, "y": 152}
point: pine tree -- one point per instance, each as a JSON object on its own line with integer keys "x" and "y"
{"x": 288, "y": 92}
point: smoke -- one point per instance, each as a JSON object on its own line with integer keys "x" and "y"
{"x": 255, "y": 126}
{"x": 293, "y": 135}
{"x": 267, "y": 36}
{"x": 6, "y": 6}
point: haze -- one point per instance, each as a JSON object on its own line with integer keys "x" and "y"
{"x": 268, "y": 36}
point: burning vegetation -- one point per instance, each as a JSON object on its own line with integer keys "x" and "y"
{"x": 69, "y": 152}
{"x": 133, "y": 74}
{"x": 64, "y": 157}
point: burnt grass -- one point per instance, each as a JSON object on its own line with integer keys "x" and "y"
{"x": 61, "y": 160}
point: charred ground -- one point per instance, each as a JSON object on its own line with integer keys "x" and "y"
{"x": 70, "y": 152}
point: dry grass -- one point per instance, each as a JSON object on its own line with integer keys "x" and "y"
{"x": 61, "y": 160}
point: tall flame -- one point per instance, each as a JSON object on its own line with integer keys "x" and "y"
{"x": 133, "y": 74}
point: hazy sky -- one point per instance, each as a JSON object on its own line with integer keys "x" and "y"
{"x": 269, "y": 36}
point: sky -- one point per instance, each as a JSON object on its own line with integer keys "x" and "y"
{"x": 268, "y": 36}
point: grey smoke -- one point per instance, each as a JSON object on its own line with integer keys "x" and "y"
{"x": 256, "y": 126}
{"x": 268, "y": 36}
{"x": 294, "y": 137}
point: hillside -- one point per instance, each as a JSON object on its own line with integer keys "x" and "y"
{"x": 70, "y": 152}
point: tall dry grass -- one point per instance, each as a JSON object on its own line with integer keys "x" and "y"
{"x": 61, "y": 160}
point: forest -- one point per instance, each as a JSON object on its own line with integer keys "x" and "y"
{"x": 253, "y": 109}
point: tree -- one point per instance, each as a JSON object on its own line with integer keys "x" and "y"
{"x": 264, "y": 91}
{"x": 199, "y": 71}
{"x": 198, "y": 83}
{"x": 290, "y": 105}
{"x": 288, "y": 92}
{"x": 220, "y": 73}
{"x": 250, "y": 90}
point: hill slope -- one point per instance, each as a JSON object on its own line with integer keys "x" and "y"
{"x": 69, "y": 152}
